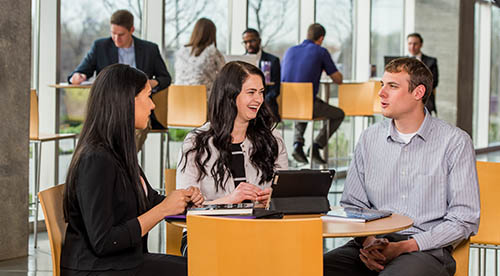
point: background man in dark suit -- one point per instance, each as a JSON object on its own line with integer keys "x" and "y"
{"x": 415, "y": 43}
{"x": 123, "y": 47}
{"x": 251, "y": 40}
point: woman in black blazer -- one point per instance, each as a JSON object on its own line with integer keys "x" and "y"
{"x": 108, "y": 203}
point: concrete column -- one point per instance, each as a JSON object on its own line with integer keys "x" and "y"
{"x": 438, "y": 23}
{"x": 15, "y": 55}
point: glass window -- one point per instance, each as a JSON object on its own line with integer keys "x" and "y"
{"x": 336, "y": 17}
{"x": 180, "y": 17}
{"x": 494, "y": 130}
{"x": 386, "y": 32}
{"x": 277, "y": 23}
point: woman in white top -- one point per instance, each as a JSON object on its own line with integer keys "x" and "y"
{"x": 233, "y": 157}
{"x": 199, "y": 61}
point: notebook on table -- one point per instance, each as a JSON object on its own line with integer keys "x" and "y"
{"x": 354, "y": 214}
{"x": 301, "y": 191}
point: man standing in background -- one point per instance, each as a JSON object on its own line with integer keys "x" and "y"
{"x": 252, "y": 41}
{"x": 415, "y": 43}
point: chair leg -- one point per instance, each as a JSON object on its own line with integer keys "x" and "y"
{"x": 312, "y": 143}
{"x": 162, "y": 163}
{"x": 168, "y": 150}
{"x": 325, "y": 151}
{"x": 37, "y": 155}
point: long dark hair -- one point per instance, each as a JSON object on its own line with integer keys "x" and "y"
{"x": 110, "y": 125}
{"x": 203, "y": 35}
{"x": 222, "y": 111}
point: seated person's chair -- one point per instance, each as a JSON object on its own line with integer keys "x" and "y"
{"x": 488, "y": 236}
{"x": 187, "y": 108}
{"x": 461, "y": 256}
{"x": 223, "y": 246}
{"x": 173, "y": 233}
{"x": 296, "y": 102}
{"x": 52, "y": 206}
{"x": 37, "y": 140}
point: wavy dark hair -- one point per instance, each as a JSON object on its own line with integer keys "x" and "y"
{"x": 110, "y": 125}
{"x": 222, "y": 111}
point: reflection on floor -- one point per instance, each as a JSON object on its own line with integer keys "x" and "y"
{"x": 39, "y": 261}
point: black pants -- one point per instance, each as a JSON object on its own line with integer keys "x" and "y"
{"x": 345, "y": 261}
{"x": 154, "y": 264}
{"x": 321, "y": 109}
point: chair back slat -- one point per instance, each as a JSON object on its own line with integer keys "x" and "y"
{"x": 296, "y": 101}
{"x": 488, "y": 174}
{"x": 357, "y": 99}
{"x": 33, "y": 115}
{"x": 187, "y": 105}
{"x": 51, "y": 201}
{"x": 160, "y": 99}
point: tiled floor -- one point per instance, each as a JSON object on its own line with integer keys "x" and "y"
{"x": 39, "y": 262}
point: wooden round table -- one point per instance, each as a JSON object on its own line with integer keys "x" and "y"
{"x": 342, "y": 229}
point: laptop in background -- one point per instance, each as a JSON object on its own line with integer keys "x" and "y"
{"x": 252, "y": 59}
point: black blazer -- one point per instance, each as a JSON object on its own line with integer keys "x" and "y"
{"x": 103, "y": 231}
{"x": 147, "y": 58}
{"x": 273, "y": 91}
{"x": 431, "y": 63}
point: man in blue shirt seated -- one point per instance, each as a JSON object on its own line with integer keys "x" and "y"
{"x": 305, "y": 63}
{"x": 252, "y": 43}
{"x": 123, "y": 47}
{"x": 416, "y": 165}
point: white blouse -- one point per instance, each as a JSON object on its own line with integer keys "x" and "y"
{"x": 192, "y": 70}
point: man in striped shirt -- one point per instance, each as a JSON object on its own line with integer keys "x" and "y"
{"x": 416, "y": 165}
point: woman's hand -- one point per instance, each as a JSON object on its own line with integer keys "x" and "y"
{"x": 264, "y": 195}
{"x": 175, "y": 202}
{"x": 196, "y": 197}
{"x": 246, "y": 191}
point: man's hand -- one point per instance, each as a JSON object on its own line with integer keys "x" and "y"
{"x": 78, "y": 78}
{"x": 377, "y": 252}
{"x": 371, "y": 254}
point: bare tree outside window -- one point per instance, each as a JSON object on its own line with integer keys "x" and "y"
{"x": 276, "y": 21}
{"x": 494, "y": 127}
{"x": 336, "y": 17}
{"x": 386, "y": 31}
{"x": 180, "y": 17}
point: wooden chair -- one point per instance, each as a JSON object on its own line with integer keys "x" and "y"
{"x": 357, "y": 99}
{"x": 160, "y": 99}
{"x": 187, "y": 108}
{"x": 223, "y": 246}
{"x": 37, "y": 140}
{"x": 488, "y": 236}
{"x": 461, "y": 256}
{"x": 296, "y": 102}
{"x": 52, "y": 206}
{"x": 173, "y": 233}
{"x": 376, "y": 99}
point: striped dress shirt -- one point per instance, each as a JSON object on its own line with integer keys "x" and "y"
{"x": 432, "y": 179}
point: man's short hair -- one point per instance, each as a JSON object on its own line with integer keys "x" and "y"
{"x": 418, "y": 72}
{"x": 122, "y": 18}
{"x": 417, "y": 35}
{"x": 251, "y": 31}
{"x": 315, "y": 31}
